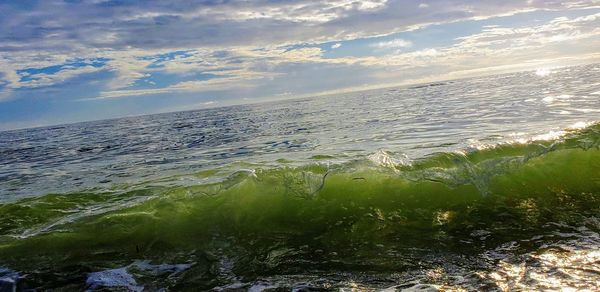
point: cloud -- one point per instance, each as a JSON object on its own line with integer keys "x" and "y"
{"x": 44, "y": 79}
{"x": 562, "y": 41}
{"x": 393, "y": 44}
{"x": 423, "y": 5}
{"x": 34, "y": 77}
{"x": 247, "y": 67}
{"x": 560, "y": 29}
{"x": 133, "y": 64}
{"x": 215, "y": 84}
{"x": 155, "y": 24}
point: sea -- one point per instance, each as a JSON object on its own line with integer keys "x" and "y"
{"x": 488, "y": 183}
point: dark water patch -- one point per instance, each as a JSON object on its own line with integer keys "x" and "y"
{"x": 429, "y": 85}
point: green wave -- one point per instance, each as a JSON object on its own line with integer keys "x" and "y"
{"x": 358, "y": 216}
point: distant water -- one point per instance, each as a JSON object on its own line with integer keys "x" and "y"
{"x": 483, "y": 183}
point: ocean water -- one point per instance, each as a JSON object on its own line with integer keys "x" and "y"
{"x": 489, "y": 183}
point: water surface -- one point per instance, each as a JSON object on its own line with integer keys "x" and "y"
{"x": 483, "y": 183}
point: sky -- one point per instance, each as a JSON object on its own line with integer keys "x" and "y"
{"x": 76, "y": 60}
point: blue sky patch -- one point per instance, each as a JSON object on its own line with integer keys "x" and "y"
{"x": 162, "y": 79}
{"x": 29, "y": 74}
{"x": 159, "y": 59}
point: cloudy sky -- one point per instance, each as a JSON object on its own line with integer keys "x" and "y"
{"x": 74, "y": 60}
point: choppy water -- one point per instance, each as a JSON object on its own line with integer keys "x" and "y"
{"x": 486, "y": 183}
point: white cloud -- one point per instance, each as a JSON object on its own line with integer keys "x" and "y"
{"x": 227, "y": 39}
{"x": 215, "y": 84}
{"x": 558, "y": 30}
{"x": 393, "y": 44}
{"x": 165, "y": 25}
{"x": 51, "y": 79}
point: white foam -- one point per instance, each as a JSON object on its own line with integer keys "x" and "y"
{"x": 387, "y": 159}
{"x": 112, "y": 278}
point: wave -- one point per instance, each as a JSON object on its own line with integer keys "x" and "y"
{"x": 381, "y": 213}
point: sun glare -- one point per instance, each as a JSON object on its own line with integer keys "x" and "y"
{"x": 543, "y": 72}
